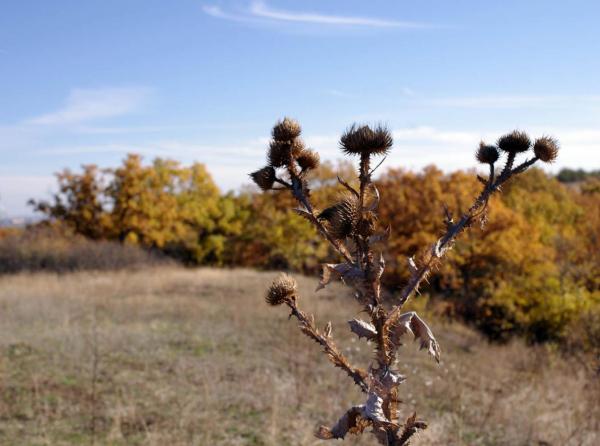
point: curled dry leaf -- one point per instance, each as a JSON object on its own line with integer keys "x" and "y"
{"x": 363, "y": 329}
{"x": 351, "y": 422}
{"x": 391, "y": 379}
{"x": 410, "y": 322}
{"x": 374, "y": 408}
{"x": 349, "y": 274}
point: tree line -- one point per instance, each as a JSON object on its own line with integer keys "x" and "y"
{"x": 541, "y": 234}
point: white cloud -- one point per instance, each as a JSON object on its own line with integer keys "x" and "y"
{"x": 16, "y": 190}
{"x": 83, "y": 105}
{"x": 414, "y": 148}
{"x": 514, "y": 101}
{"x": 260, "y": 11}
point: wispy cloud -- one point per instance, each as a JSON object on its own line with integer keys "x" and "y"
{"x": 83, "y": 105}
{"x": 259, "y": 11}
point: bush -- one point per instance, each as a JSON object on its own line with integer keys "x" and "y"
{"x": 45, "y": 248}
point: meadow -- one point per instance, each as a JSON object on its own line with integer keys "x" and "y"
{"x": 174, "y": 356}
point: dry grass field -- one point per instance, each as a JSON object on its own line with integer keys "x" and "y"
{"x": 171, "y": 356}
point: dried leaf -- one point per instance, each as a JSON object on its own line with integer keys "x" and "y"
{"x": 410, "y": 322}
{"x": 391, "y": 379}
{"x": 349, "y": 274}
{"x": 375, "y": 204}
{"x": 351, "y": 422}
{"x": 374, "y": 408}
{"x": 363, "y": 329}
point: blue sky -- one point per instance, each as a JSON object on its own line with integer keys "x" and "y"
{"x": 87, "y": 82}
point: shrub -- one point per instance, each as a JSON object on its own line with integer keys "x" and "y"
{"x": 46, "y": 248}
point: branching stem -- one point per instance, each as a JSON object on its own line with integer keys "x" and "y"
{"x": 337, "y": 358}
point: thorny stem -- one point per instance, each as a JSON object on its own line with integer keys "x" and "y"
{"x": 441, "y": 246}
{"x": 338, "y": 359}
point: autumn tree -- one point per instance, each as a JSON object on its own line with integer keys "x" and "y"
{"x": 80, "y": 202}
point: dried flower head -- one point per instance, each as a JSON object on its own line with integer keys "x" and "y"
{"x": 366, "y": 225}
{"x": 487, "y": 154}
{"x": 514, "y": 142}
{"x": 364, "y": 140}
{"x": 282, "y": 288}
{"x": 280, "y": 151}
{"x": 342, "y": 217}
{"x": 308, "y": 159}
{"x": 546, "y": 149}
{"x": 264, "y": 178}
{"x": 286, "y": 130}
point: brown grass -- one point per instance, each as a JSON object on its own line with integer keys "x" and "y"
{"x": 170, "y": 356}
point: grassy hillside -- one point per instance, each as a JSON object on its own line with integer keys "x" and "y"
{"x": 170, "y": 356}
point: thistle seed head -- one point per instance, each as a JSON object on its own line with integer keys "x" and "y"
{"x": 264, "y": 178}
{"x": 297, "y": 146}
{"x": 487, "y": 154}
{"x": 286, "y": 130}
{"x": 280, "y": 151}
{"x": 364, "y": 140}
{"x": 282, "y": 288}
{"x": 308, "y": 159}
{"x": 342, "y": 217}
{"x": 366, "y": 225}
{"x": 514, "y": 142}
{"x": 546, "y": 149}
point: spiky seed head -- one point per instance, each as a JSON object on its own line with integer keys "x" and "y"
{"x": 308, "y": 159}
{"x": 487, "y": 154}
{"x": 342, "y": 217}
{"x": 546, "y": 149}
{"x": 282, "y": 288}
{"x": 264, "y": 178}
{"x": 365, "y": 140}
{"x": 366, "y": 225}
{"x": 514, "y": 142}
{"x": 279, "y": 153}
{"x": 286, "y": 130}
{"x": 297, "y": 146}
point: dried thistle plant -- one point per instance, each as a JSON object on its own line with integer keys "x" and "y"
{"x": 352, "y": 228}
